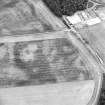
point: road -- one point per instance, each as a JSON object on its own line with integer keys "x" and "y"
{"x": 95, "y": 36}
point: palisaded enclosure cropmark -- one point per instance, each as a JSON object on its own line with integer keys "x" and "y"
{"x": 41, "y": 62}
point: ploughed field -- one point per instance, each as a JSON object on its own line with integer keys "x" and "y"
{"x": 23, "y": 17}
{"x": 41, "y": 62}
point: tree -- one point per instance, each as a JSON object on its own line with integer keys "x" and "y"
{"x": 65, "y": 7}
